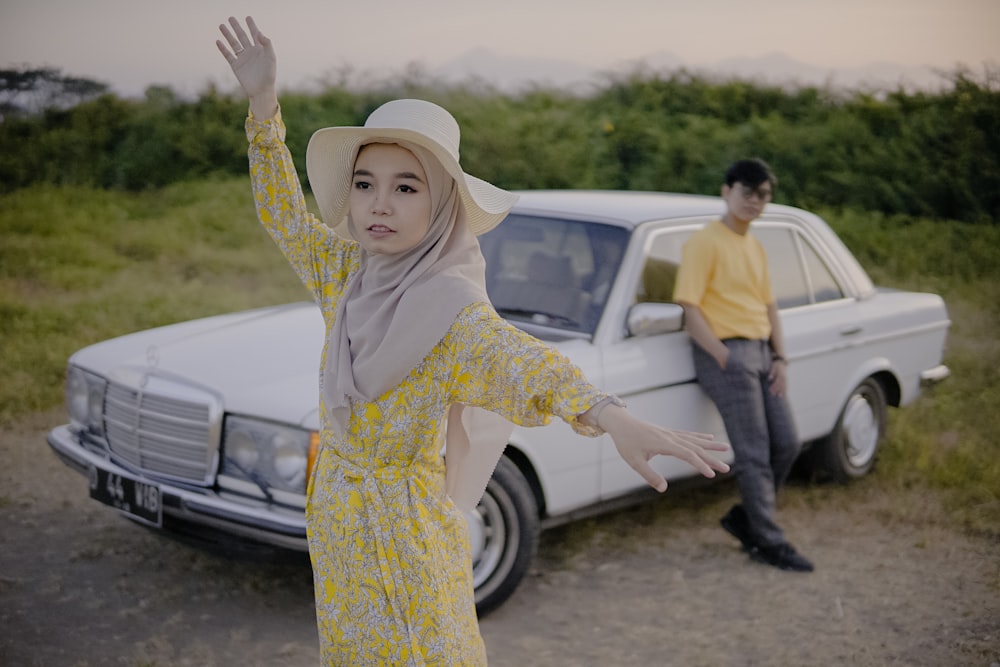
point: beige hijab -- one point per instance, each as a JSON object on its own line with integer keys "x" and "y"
{"x": 396, "y": 309}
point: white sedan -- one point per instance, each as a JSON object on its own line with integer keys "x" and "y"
{"x": 209, "y": 427}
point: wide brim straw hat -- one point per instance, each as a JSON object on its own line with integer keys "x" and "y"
{"x": 332, "y": 151}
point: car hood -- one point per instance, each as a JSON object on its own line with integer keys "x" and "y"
{"x": 263, "y": 362}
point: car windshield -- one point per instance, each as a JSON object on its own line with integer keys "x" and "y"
{"x": 552, "y": 272}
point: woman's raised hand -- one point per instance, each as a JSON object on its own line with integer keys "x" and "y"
{"x": 638, "y": 441}
{"x": 253, "y": 61}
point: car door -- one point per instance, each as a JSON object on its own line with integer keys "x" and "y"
{"x": 536, "y": 278}
{"x": 820, "y": 320}
{"x": 653, "y": 374}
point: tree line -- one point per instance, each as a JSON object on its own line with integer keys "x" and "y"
{"x": 923, "y": 153}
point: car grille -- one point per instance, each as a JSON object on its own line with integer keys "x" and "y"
{"x": 160, "y": 433}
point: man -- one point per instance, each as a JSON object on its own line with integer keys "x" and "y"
{"x": 739, "y": 356}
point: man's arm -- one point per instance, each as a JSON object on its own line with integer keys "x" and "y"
{"x": 777, "y": 341}
{"x": 778, "y": 377}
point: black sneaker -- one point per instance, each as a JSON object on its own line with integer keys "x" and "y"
{"x": 736, "y": 524}
{"x": 782, "y": 556}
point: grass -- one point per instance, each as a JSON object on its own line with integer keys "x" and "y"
{"x": 82, "y": 265}
{"x": 947, "y": 439}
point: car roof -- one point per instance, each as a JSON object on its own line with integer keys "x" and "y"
{"x": 628, "y": 207}
{"x": 631, "y": 208}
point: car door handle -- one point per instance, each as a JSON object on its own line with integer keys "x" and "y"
{"x": 850, "y": 331}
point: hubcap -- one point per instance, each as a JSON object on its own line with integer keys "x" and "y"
{"x": 860, "y": 431}
{"x": 477, "y": 534}
{"x": 487, "y": 531}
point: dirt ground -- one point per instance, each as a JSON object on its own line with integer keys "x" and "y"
{"x": 660, "y": 584}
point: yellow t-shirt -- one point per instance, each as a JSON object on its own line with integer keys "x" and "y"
{"x": 725, "y": 274}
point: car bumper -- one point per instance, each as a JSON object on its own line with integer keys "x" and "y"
{"x": 201, "y": 511}
{"x": 932, "y": 376}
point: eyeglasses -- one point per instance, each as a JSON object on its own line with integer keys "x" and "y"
{"x": 761, "y": 192}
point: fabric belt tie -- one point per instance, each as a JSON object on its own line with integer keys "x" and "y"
{"x": 390, "y": 569}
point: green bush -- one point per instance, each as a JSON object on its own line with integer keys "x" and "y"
{"x": 933, "y": 155}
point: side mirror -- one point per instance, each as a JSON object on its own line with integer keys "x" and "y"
{"x": 649, "y": 319}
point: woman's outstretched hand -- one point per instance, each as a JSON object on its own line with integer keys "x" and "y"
{"x": 253, "y": 61}
{"x": 638, "y": 441}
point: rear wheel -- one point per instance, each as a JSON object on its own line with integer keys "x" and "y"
{"x": 504, "y": 534}
{"x": 849, "y": 452}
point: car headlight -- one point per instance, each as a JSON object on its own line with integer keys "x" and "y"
{"x": 85, "y": 399}
{"x": 272, "y": 456}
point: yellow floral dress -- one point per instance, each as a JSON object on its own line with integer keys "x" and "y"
{"x": 390, "y": 551}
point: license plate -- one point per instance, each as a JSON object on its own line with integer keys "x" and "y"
{"x": 135, "y": 498}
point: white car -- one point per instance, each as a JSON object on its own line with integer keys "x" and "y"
{"x": 209, "y": 427}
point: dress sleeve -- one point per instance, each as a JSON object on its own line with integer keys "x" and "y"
{"x": 502, "y": 369}
{"x": 322, "y": 260}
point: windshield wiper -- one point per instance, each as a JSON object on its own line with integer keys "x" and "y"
{"x": 532, "y": 314}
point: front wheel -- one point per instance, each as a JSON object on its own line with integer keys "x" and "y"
{"x": 849, "y": 452}
{"x": 504, "y": 534}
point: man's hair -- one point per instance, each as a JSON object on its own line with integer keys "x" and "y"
{"x": 751, "y": 173}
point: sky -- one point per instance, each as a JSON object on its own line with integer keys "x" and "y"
{"x": 132, "y": 44}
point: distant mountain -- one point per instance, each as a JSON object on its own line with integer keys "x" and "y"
{"x": 779, "y": 69}
{"x": 512, "y": 73}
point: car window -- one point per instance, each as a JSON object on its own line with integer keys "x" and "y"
{"x": 552, "y": 272}
{"x": 798, "y": 275}
{"x": 659, "y": 271}
{"x": 788, "y": 278}
{"x": 824, "y": 285}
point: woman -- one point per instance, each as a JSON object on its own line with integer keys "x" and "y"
{"x": 411, "y": 341}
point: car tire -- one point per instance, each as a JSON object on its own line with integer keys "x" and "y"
{"x": 504, "y": 530}
{"x": 849, "y": 452}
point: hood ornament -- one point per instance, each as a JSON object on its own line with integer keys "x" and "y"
{"x": 152, "y": 361}
{"x": 152, "y": 356}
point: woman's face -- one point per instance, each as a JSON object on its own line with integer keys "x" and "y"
{"x": 390, "y": 200}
